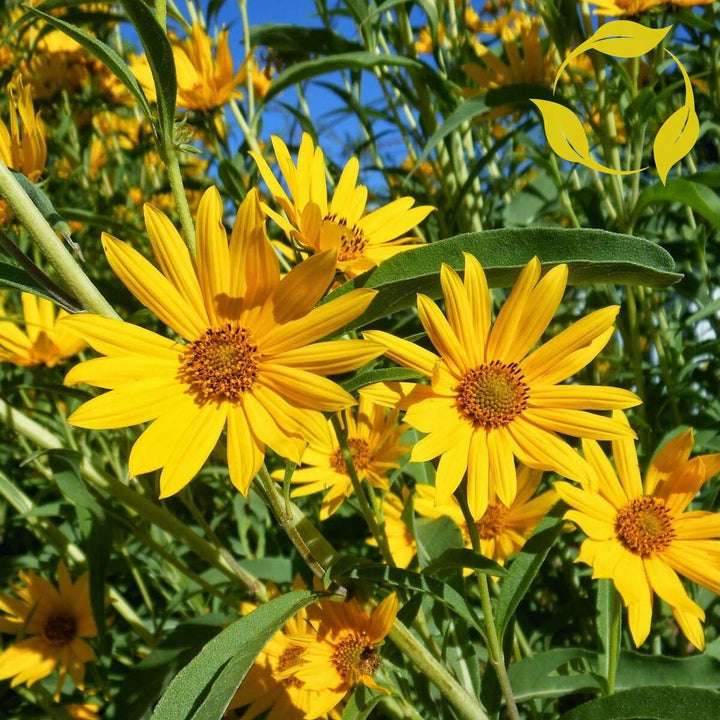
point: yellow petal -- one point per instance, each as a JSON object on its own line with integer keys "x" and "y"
{"x": 452, "y": 466}
{"x": 190, "y": 454}
{"x": 113, "y": 372}
{"x": 304, "y": 389}
{"x": 581, "y": 397}
{"x": 460, "y": 315}
{"x": 578, "y": 423}
{"x": 245, "y": 453}
{"x": 478, "y": 294}
{"x": 442, "y": 336}
{"x": 330, "y": 358}
{"x": 404, "y": 352}
{"x": 626, "y": 460}
{"x": 478, "y": 478}
{"x": 673, "y": 453}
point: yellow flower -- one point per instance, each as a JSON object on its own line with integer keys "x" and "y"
{"x": 374, "y": 443}
{"x": 641, "y": 538}
{"x": 57, "y": 63}
{"x": 363, "y": 240}
{"x": 616, "y": 8}
{"x": 502, "y": 530}
{"x": 44, "y": 342}
{"x": 53, "y": 623}
{"x": 340, "y": 651}
{"x": 424, "y": 43}
{"x": 204, "y": 82}
{"x": 23, "y": 151}
{"x": 403, "y": 547}
{"x": 532, "y": 67}
{"x": 287, "y": 698}
{"x": 490, "y": 401}
{"x": 261, "y": 78}
{"x": 83, "y": 711}
{"x": 246, "y": 361}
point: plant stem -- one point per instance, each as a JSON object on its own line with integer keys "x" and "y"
{"x": 495, "y": 649}
{"x": 73, "y": 276}
{"x": 467, "y": 706}
{"x": 172, "y": 165}
{"x": 377, "y": 531}
{"x": 161, "y": 13}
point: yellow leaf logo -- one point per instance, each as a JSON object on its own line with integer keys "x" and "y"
{"x": 564, "y": 131}
{"x": 678, "y": 134}
{"x": 566, "y": 136}
{"x": 620, "y": 38}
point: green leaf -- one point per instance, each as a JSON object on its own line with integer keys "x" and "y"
{"x": 382, "y": 375}
{"x": 525, "y": 567}
{"x": 342, "y": 61}
{"x": 361, "y": 703}
{"x": 695, "y": 195}
{"x": 101, "y": 51}
{"x": 65, "y": 466}
{"x": 162, "y": 63}
{"x": 454, "y": 558}
{"x": 294, "y": 40}
{"x": 592, "y": 256}
{"x": 234, "y": 649}
{"x": 11, "y": 276}
{"x": 144, "y": 683}
{"x": 651, "y": 703}
{"x": 435, "y": 537}
{"x": 353, "y": 568}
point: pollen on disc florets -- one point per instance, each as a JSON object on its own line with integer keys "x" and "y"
{"x": 354, "y": 657}
{"x": 60, "y": 629}
{"x": 352, "y": 239}
{"x": 644, "y": 526}
{"x": 360, "y": 452}
{"x": 492, "y": 395}
{"x": 492, "y": 523}
{"x": 221, "y": 364}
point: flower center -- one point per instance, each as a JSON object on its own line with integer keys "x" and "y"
{"x": 288, "y": 659}
{"x": 492, "y": 523}
{"x": 221, "y": 364}
{"x": 645, "y": 526}
{"x": 360, "y": 452}
{"x": 492, "y": 395}
{"x": 352, "y": 239}
{"x": 60, "y": 629}
{"x": 354, "y": 657}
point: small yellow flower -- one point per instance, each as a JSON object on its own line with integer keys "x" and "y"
{"x": 247, "y": 359}
{"x": 374, "y": 443}
{"x": 53, "y": 623}
{"x": 363, "y": 240}
{"x": 341, "y": 651}
{"x": 24, "y": 151}
{"x": 617, "y": 8}
{"x": 44, "y": 342}
{"x": 424, "y": 43}
{"x": 502, "y": 530}
{"x": 261, "y": 78}
{"x": 83, "y": 711}
{"x": 57, "y": 63}
{"x": 641, "y": 537}
{"x": 204, "y": 82}
{"x": 491, "y": 399}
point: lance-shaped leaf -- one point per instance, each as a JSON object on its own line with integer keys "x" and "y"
{"x": 678, "y": 134}
{"x": 621, "y": 38}
{"x": 566, "y": 136}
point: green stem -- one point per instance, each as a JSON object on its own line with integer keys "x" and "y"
{"x": 467, "y": 706}
{"x": 612, "y": 641}
{"x": 495, "y": 649}
{"x": 73, "y": 276}
{"x": 172, "y": 165}
{"x": 370, "y": 518}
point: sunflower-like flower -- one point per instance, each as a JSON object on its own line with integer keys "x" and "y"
{"x": 533, "y": 66}
{"x": 341, "y": 650}
{"x": 502, "y": 530}
{"x": 286, "y": 698}
{"x": 57, "y": 63}
{"x": 373, "y": 438}
{"x": 246, "y": 362}
{"x": 641, "y": 537}
{"x": 53, "y": 622}
{"x": 363, "y": 240}
{"x": 618, "y": 8}
{"x": 44, "y": 342}
{"x": 488, "y": 400}
{"x": 204, "y": 82}
{"x": 403, "y": 547}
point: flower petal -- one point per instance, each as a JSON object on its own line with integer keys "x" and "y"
{"x": 245, "y": 453}
{"x": 404, "y": 352}
{"x": 304, "y": 389}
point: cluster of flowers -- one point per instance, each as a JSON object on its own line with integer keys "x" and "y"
{"x": 244, "y": 357}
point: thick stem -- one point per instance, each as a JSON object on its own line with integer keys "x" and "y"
{"x": 74, "y": 278}
{"x": 467, "y": 706}
{"x": 172, "y": 165}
